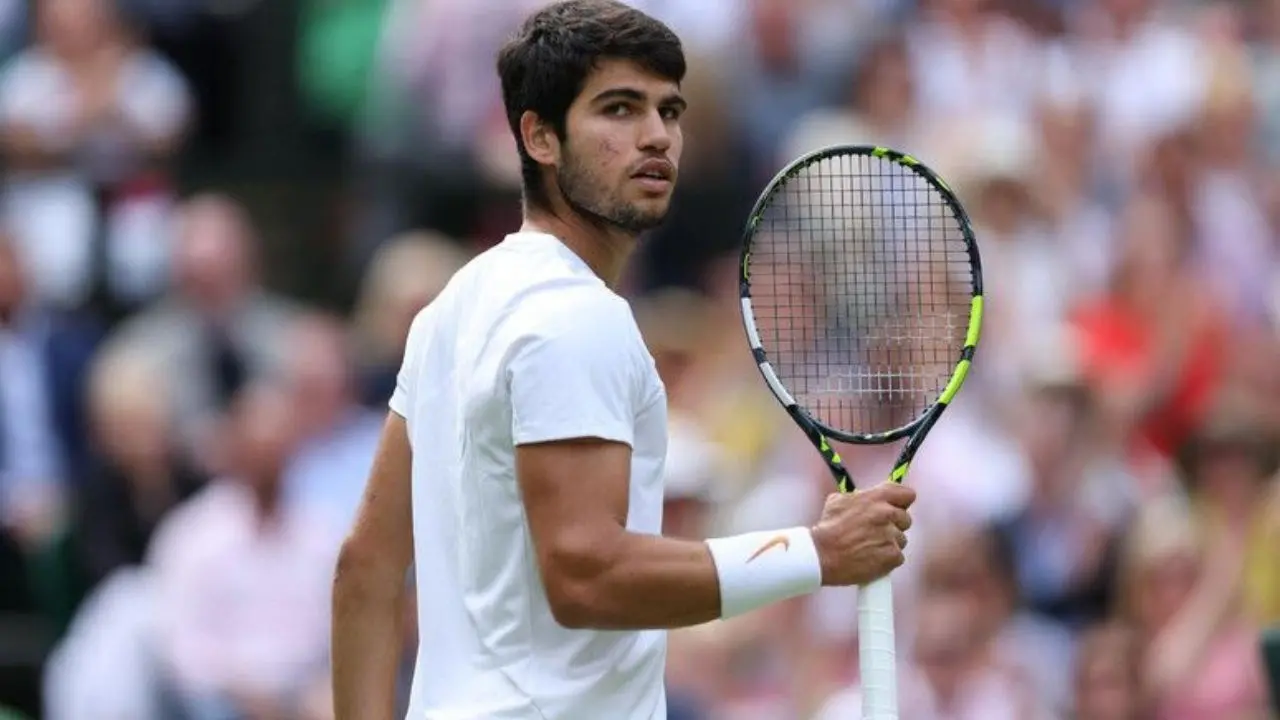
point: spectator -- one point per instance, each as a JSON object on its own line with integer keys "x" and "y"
{"x": 1229, "y": 468}
{"x": 434, "y": 104}
{"x": 1180, "y": 590}
{"x": 242, "y": 580}
{"x": 1235, "y": 237}
{"x": 112, "y": 622}
{"x": 41, "y": 364}
{"x": 1066, "y": 191}
{"x": 1063, "y": 539}
{"x": 1142, "y": 71}
{"x": 89, "y": 119}
{"x": 1152, "y": 347}
{"x": 879, "y": 108}
{"x": 218, "y": 328}
{"x": 139, "y": 473}
{"x": 1022, "y": 275}
{"x": 779, "y": 69}
{"x": 973, "y": 65}
{"x": 337, "y": 436}
{"x": 405, "y": 275}
{"x": 975, "y": 565}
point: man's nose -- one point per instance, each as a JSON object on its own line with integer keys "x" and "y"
{"x": 656, "y": 133}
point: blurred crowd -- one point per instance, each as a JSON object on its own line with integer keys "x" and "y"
{"x": 183, "y": 443}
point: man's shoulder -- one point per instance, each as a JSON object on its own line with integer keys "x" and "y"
{"x": 528, "y": 291}
{"x": 543, "y": 293}
{"x": 571, "y": 303}
{"x": 571, "y": 321}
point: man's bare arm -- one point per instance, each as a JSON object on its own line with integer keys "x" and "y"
{"x": 597, "y": 574}
{"x": 369, "y": 586}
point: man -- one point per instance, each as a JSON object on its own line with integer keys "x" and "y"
{"x": 218, "y": 327}
{"x": 238, "y": 605}
{"x": 530, "y": 423}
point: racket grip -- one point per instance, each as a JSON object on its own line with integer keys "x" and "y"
{"x": 877, "y": 656}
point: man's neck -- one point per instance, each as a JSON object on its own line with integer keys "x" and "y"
{"x": 605, "y": 252}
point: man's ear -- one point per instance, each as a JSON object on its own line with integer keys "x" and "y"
{"x": 540, "y": 139}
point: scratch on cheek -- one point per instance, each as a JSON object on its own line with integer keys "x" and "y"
{"x": 608, "y": 152}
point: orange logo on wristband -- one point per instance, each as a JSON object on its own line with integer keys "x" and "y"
{"x": 781, "y": 540}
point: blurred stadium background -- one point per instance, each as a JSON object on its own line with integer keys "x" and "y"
{"x": 219, "y": 216}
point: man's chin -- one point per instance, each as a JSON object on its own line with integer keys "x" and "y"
{"x": 647, "y": 224}
{"x": 634, "y": 218}
{"x": 651, "y": 215}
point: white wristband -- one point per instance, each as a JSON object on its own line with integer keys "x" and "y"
{"x": 760, "y": 568}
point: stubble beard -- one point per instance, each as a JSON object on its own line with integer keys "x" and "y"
{"x": 586, "y": 196}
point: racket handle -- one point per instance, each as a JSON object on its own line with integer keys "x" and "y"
{"x": 877, "y": 656}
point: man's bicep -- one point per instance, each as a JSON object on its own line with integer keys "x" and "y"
{"x": 384, "y": 524}
{"x": 575, "y": 494}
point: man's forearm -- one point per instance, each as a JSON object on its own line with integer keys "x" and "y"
{"x": 367, "y": 642}
{"x": 646, "y": 581}
{"x": 653, "y": 582}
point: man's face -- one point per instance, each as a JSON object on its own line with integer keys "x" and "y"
{"x": 211, "y": 263}
{"x": 619, "y": 161}
{"x": 263, "y": 430}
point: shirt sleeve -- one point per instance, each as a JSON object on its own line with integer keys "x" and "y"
{"x": 402, "y": 396}
{"x": 574, "y": 377}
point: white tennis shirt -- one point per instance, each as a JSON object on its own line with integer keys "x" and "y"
{"x": 525, "y": 344}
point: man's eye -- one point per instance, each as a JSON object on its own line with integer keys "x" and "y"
{"x": 619, "y": 110}
{"x": 671, "y": 113}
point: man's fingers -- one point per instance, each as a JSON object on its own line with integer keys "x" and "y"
{"x": 896, "y": 494}
{"x": 901, "y": 519}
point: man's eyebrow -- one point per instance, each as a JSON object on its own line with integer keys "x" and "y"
{"x": 675, "y": 100}
{"x": 625, "y": 93}
{"x": 620, "y": 93}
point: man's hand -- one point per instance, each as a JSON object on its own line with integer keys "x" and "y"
{"x": 861, "y": 535}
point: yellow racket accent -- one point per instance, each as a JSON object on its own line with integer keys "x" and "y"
{"x": 953, "y": 387}
{"x": 828, "y": 452}
{"x": 899, "y": 472}
{"x": 975, "y": 322}
{"x": 971, "y": 340}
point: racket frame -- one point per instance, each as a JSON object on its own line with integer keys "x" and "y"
{"x": 875, "y": 601}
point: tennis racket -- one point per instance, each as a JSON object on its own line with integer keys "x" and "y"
{"x": 861, "y": 291}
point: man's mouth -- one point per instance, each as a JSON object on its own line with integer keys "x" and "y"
{"x": 656, "y": 172}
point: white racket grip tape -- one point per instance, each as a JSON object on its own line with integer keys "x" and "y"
{"x": 877, "y": 654}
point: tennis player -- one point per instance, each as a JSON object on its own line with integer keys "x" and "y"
{"x": 521, "y": 463}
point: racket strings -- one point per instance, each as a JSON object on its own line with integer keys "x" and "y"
{"x": 860, "y": 285}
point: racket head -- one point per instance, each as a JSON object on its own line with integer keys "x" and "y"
{"x": 861, "y": 292}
